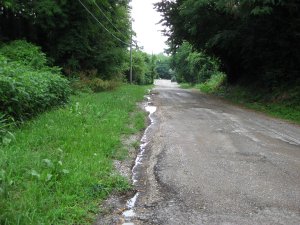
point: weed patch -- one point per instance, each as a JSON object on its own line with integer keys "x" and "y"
{"x": 213, "y": 83}
{"x": 27, "y": 85}
{"x": 285, "y": 106}
{"x": 60, "y": 165}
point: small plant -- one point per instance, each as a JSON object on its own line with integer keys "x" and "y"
{"x": 215, "y": 82}
{"x": 136, "y": 144}
{"x": 99, "y": 85}
{"x": 86, "y": 84}
{"x": 5, "y": 135}
{"x": 3, "y": 125}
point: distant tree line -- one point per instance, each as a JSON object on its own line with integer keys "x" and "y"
{"x": 257, "y": 42}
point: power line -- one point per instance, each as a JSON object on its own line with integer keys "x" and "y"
{"x": 102, "y": 24}
{"x": 107, "y": 18}
{"x": 131, "y": 42}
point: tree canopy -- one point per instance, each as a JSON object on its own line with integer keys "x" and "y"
{"x": 69, "y": 33}
{"x": 257, "y": 41}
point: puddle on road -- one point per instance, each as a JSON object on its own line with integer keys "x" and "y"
{"x": 129, "y": 214}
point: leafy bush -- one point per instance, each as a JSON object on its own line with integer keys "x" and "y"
{"x": 211, "y": 85}
{"x": 25, "y": 53}
{"x": 3, "y": 125}
{"x": 192, "y": 66}
{"x": 28, "y": 87}
{"x": 6, "y": 123}
{"x": 98, "y": 85}
{"x": 86, "y": 84}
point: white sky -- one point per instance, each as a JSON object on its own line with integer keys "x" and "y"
{"x": 146, "y": 27}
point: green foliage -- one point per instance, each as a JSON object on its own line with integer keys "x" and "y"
{"x": 163, "y": 67}
{"x": 192, "y": 66}
{"x": 27, "y": 85}
{"x": 186, "y": 85}
{"x": 60, "y": 166}
{"x": 257, "y": 41}
{"x": 139, "y": 66}
{"x": 69, "y": 34}
{"x": 95, "y": 84}
{"x": 25, "y": 53}
{"x": 143, "y": 68}
{"x": 281, "y": 104}
{"x": 5, "y": 124}
{"x": 213, "y": 83}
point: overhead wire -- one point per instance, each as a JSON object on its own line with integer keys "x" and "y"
{"x": 107, "y": 18}
{"x": 102, "y": 24}
{"x": 128, "y": 44}
{"x": 103, "y": 13}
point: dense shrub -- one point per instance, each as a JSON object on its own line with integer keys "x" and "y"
{"x": 27, "y": 85}
{"x": 192, "y": 66}
{"x": 86, "y": 84}
{"x": 25, "y": 53}
{"x": 212, "y": 84}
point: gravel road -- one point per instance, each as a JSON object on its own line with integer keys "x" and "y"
{"x": 210, "y": 162}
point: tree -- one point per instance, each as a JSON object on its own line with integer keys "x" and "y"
{"x": 69, "y": 34}
{"x": 192, "y": 66}
{"x": 163, "y": 66}
{"x": 256, "y": 41}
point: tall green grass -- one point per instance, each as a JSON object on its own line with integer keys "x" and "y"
{"x": 281, "y": 104}
{"x": 59, "y": 166}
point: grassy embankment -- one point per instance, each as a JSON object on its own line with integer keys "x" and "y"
{"x": 284, "y": 105}
{"x": 280, "y": 104}
{"x": 59, "y": 167}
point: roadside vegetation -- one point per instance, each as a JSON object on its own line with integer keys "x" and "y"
{"x": 65, "y": 105}
{"x": 285, "y": 105}
{"x": 58, "y": 167}
{"x": 28, "y": 86}
{"x": 59, "y": 137}
{"x": 245, "y": 51}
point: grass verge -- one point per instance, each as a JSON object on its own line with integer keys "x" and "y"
{"x": 59, "y": 167}
{"x": 285, "y": 106}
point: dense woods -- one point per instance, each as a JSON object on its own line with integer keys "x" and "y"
{"x": 257, "y": 42}
{"x": 69, "y": 34}
{"x": 86, "y": 41}
{"x": 28, "y": 86}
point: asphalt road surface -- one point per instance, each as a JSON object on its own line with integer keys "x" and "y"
{"x": 210, "y": 162}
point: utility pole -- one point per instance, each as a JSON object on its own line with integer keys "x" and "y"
{"x": 131, "y": 56}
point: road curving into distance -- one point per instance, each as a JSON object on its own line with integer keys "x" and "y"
{"x": 210, "y": 162}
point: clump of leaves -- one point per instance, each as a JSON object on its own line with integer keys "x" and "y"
{"x": 25, "y": 53}
{"x": 5, "y": 135}
{"x": 212, "y": 84}
{"x": 95, "y": 84}
{"x": 27, "y": 85}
